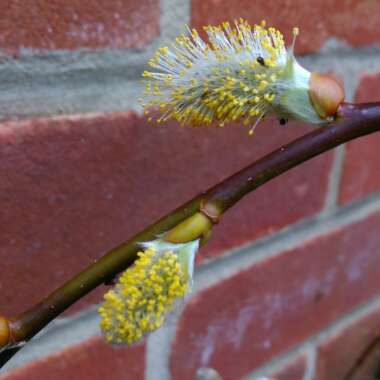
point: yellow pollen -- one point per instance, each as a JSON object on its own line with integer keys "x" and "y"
{"x": 198, "y": 82}
{"x": 144, "y": 295}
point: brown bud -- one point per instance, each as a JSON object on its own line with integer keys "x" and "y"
{"x": 326, "y": 95}
{"x": 4, "y": 332}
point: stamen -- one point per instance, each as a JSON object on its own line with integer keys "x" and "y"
{"x": 296, "y": 32}
{"x": 240, "y": 72}
{"x": 252, "y": 130}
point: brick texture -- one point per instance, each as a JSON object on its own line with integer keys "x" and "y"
{"x": 294, "y": 370}
{"x": 90, "y": 360}
{"x": 72, "y": 24}
{"x": 73, "y": 188}
{"x": 355, "y": 22}
{"x": 240, "y": 323}
{"x": 357, "y": 344}
{"x": 362, "y": 160}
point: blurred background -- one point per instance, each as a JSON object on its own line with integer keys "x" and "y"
{"x": 288, "y": 286}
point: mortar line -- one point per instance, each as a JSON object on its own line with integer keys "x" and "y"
{"x": 236, "y": 260}
{"x": 73, "y": 330}
{"x": 62, "y": 82}
{"x": 70, "y": 82}
{"x": 175, "y": 14}
{"x": 275, "y": 364}
{"x": 310, "y": 345}
{"x": 158, "y": 348}
{"x": 311, "y": 363}
{"x": 57, "y": 336}
{"x": 331, "y": 202}
{"x": 68, "y": 323}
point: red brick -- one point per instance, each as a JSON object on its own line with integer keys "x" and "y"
{"x": 91, "y": 360}
{"x": 73, "y": 188}
{"x": 294, "y": 370}
{"x": 73, "y": 24}
{"x": 237, "y": 325}
{"x": 362, "y": 160}
{"x": 355, "y": 22}
{"x": 341, "y": 351}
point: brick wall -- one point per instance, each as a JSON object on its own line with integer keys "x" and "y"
{"x": 288, "y": 286}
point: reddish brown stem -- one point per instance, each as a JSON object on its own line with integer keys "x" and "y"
{"x": 354, "y": 121}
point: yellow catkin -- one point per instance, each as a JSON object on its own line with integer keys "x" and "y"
{"x": 144, "y": 295}
{"x": 238, "y": 69}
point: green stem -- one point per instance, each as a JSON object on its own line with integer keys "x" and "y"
{"x": 354, "y": 121}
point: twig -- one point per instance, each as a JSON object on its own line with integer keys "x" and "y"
{"x": 353, "y": 121}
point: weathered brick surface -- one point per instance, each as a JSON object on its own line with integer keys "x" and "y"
{"x": 362, "y": 160}
{"x": 293, "y": 369}
{"x": 355, "y": 345}
{"x": 355, "y": 22}
{"x": 238, "y": 324}
{"x": 73, "y": 24}
{"x": 73, "y": 188}
{"x": 90, "y": 360}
